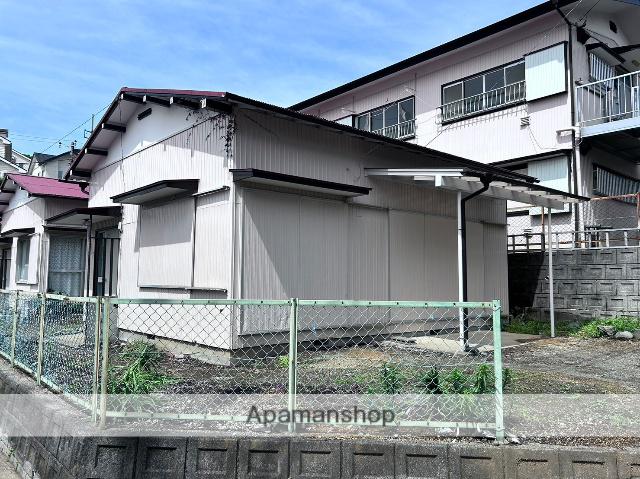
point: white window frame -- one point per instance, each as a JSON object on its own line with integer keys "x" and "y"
{"x": 484, "y": 80}
{"x": 23, "y": 248}
{"x": 382, "y": 109}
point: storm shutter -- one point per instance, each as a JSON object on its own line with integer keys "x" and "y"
{"x": 545, "y": 72}
{"x": 166, "y": 244}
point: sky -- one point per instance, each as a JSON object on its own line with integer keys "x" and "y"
{"x": 62, "y": 61}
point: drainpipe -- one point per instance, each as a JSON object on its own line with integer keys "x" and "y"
{"x": 88, "y": 267}
{"x": 462, "y": 258}
{"x": 572, "y": 101}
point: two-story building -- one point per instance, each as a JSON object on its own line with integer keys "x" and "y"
{"x": 551, "y": 92}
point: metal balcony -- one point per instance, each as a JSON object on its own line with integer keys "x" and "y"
{"x": 399, "y": 131}
{"x": 609, "y": 105}
{"x": 484, "y": 102}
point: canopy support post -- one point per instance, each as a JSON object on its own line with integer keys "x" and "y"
{"x": 552, "y": 312}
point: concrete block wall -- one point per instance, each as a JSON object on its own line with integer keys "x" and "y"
{"x": 89, "y": 455}
{"x": 587, "y": 283}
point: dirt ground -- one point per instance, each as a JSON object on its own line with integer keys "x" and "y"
{"x": 573, "y": 365}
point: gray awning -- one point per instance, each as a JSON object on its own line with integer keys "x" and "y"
{"x": 160, "y": 190}
{"x": 79, "y": 216}
{"x": 252, "y": 175}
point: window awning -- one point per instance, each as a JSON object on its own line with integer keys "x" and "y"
{"x": 79, "y": 216}
{"x": 18, "y": 232}
{"x": 252, "y": 175}
{"x": 468, "y": 182}
{"x": 160, "y": 190}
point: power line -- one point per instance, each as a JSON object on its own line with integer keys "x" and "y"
{"x": 59, "y": 140}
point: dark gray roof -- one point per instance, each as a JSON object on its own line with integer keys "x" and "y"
{"x": 42, "y": 158}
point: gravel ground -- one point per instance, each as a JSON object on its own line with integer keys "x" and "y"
{"x": 7, "y": 470}
{"x": 572, "y": 365}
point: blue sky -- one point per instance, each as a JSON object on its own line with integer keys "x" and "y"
{"x": 61, "y": 61}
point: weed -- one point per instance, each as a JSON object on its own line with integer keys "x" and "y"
{"x": 430, "y": 381}
{"x": 283, "y": 362}
{"x": 139, "y": 372}
{"x": 622, "y": 323}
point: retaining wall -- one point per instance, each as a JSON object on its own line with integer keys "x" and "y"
{"x": 587, "y": 282}
{"x": 273, "y": 457}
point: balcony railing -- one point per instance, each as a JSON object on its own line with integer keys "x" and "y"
{"x": 610, "y": 100}
{"x": 491, "y": 100}
{"x": 400, "y": 131}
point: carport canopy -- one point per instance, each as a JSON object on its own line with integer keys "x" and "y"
{"x": 464, "y": 181}
{"x": 468, "y": 184}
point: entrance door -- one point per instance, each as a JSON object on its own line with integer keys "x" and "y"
{"x": 105, "y": 280}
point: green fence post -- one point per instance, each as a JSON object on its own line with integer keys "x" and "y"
{"x": 497, "y": 365}
{"x": 14, "y": 330}
{"x": 293, "y": 360}
{"x": 105, "y": 362}
{"x": 43, "y": 306}
{"x": 96, "y": 361}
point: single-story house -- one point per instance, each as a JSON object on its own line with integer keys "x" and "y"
{"x": 198, "y": 194}
{"x": 45, "y": 258}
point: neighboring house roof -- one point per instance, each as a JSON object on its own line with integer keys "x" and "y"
{"x": 46, "y": 187}
{"x": 459, "y": 42}
{"x": 42, "y": 157}
{"x": 12, "y": 165}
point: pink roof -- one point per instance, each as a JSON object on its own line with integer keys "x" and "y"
{"x": 41, "y": 186}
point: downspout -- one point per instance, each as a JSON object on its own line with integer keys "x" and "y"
{"x": 572, "y": 101}
{"x": 88, "y": 267}
{"x": 462, "y": 234}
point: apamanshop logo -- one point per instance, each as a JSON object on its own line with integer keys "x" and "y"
{"x": 354, "y": 415}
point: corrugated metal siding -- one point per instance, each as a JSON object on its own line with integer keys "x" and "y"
{"x": 407, "y": 256}
{"x": 166, "y": 253}
{"x": 271, "y": 245}
{"x": 315, "y": 153}
{"x": 496, "y": 276}
{"x": 195, "y": 153}
{"x": 212, "y": 254}
{"x": 475, "y": 262}
{"x": 368, "y": 254}
{"x": 324, "y": 229}
{"x": 441, "y": 258}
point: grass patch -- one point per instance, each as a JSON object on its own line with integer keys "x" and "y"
{"x": 523, "y": 324}
{"x": 138, "y": 370}
{"x": 622, "y": 323}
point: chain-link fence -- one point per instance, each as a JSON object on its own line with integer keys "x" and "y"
{"x": 215, "y": 359}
